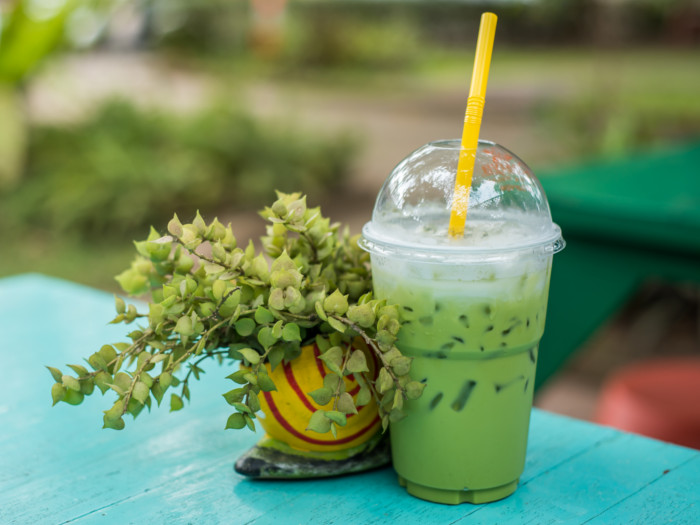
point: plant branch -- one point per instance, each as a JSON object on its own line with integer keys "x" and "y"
{"x": 372, "y": 344}
{"x": 136, "y": 377}
{"x": 336, "y": 394}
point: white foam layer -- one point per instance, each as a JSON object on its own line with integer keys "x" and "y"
{"x": 484, "y": 278}
{"x": 428, "y": 238}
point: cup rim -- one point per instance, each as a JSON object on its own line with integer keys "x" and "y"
{"x": 457, "y": 143}
{"x": 374, "y": 244}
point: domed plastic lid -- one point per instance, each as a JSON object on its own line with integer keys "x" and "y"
{"x": 508, "y": 209}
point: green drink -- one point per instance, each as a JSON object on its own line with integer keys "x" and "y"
{"x": 472, "y": 315}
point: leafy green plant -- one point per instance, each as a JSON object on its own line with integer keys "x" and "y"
{"x": 213, "y": 300}
{"x": 331, "y": 40}
{"x": 126, "y": 168}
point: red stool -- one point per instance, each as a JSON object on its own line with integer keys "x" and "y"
{"x": 657, "y": 398}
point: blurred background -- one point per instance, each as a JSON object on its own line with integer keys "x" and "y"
{"x": 116, "y": 113}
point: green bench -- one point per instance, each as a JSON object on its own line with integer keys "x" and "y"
{"x": 625, "y": 222}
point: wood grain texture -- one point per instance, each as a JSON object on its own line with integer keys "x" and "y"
{"x": 58, "y": 466}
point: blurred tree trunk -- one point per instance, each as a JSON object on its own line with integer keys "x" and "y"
{"x": 267, "y": 27}
{"x": 29, "y": 33}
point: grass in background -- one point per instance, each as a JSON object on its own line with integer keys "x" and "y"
{"x": 125, "y": 169}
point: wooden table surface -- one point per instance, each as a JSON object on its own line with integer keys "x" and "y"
{"x": 58, "y": 466}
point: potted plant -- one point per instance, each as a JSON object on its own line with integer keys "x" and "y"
{"x": 304, "y": 305}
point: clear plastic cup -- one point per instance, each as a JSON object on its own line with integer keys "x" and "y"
{"x": 472, "y": 312}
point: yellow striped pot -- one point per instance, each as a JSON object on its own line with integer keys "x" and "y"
{"x": 287, "y": 410}
{"x": 288, "y": 450}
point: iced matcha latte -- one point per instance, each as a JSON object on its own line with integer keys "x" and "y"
{"x": 472, "y": 314}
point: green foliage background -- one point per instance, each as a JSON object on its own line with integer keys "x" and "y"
{"x": 124, "y": 169}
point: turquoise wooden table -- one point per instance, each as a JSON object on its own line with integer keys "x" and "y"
{"x": 58, "y": 466}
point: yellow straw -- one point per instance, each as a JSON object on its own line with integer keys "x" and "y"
{"x": 472, "y": 123}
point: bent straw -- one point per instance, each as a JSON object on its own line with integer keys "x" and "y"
{"x": 472, "y": 123}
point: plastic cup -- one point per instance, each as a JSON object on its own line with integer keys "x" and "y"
{"x": 472, "y": 312}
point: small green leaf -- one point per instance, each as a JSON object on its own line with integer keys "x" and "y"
{"x": 56, "y": 374}
{"x": 184, "y": 326}
{"x": 345, "y": 404}
{"x": 245, "y": 326}
{"x": 333, "y": 358}
{"x": 70, "y": 382}
{"x": 364, "y": 397}
{"x": 238, "y": 377}
{"x": 336, "y": 303}
{"x": 401, "y": 365}
{"x": 102, "y": 380}
{"x": 119, "y": 305}
{"x": 266, "y": 337}
{"x": 134, "y": 408}
{"x": 175, "y": 226}
{"x": 87, "y": 386}
{"x": 357, "y": 362}
{"x": 235, "y": 421}
{"x": 108, "y": 353}
{"x": 362, "y": 315}
{"x": 73, "y": 397}
{"x": 275, "y": 357}
{"x": 331, "y": 381}
{"x": 234, "y": 396}
{"x": 337, "y": 417}
{"x": 398, "y": 400}
{"x": 80, "y": 370}
{"x": 97, "y": 362}
{"x": 218, "y": 289}
{"x": 245, "y": 409}
{"x": 175, "y": 403}
{"x": 277, "y": 329}
{"x": 291, "y": 332}
{"x": 249, "y": 422}
{"x": 319, "y": 311}
{"x": 385, "y": 423}
{"x": 337, "y": 325}
{"x": 319, "y": 422}
{"x": 276, "y": 299}
{"x": 165, "y": 379}
{"x": 263, "y": 315}
{"x": 199, "y": 223}
{"x": 322, "y": 343}
{"x": 253, "y": 402}
{"x": 384, "y": 381}
{"x": 322, "y": 396}
{"x": 158, "y": 392}
{"x": 265, "y": 382}
{"x": 414, "y": 389}
{"x": 250, "y": 355}
{"x": 122, "y": 381}
{"x": 58, "y": 392}
{"x": 140, "y": 392}
{"x": 115, "y": 412}
{"x": 385, "y": 339}
{"x": 116, "y": 424}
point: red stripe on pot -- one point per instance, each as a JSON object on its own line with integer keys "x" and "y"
{"x": 289, "y": 374}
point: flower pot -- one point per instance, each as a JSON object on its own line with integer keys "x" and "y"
{"x": 288, "y": 450}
